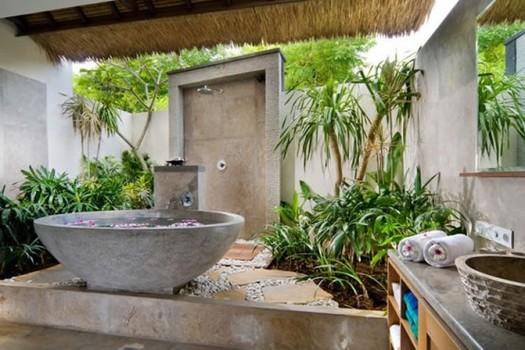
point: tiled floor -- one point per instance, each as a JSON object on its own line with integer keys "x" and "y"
{"x": 24, "y": 337}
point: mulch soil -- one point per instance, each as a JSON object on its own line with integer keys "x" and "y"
{"x": 376, "y": 298}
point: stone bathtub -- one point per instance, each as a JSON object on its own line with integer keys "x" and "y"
{"x": 145, "y": 251}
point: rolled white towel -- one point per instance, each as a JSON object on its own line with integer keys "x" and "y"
{"x": 411, "y": 248}
{"x": 395, "y": 336}
{"x": 396, "y": 289}
{"x": 442, "y": 251}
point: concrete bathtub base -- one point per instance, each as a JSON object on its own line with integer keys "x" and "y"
{"x": 229, "y": 324}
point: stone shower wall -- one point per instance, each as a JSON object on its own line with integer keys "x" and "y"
{"x": 230, "y": 127}
{"x": 240, "y": 126}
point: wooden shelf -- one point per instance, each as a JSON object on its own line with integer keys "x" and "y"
{"x": 392, "y": 301}
{"x": 493, "y": 174}
{"x": 408, "y": 331}
{"x": 432, "y": 333}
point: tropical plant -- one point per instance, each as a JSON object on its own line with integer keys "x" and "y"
{"x": 18, "y": 244}
{"x": 356, "y": 227}
{"x": 364, "y": 222}
{"x": 313, "y": 63}
{"x": 328, "y": 117}
{"x": 308, "y": 63}
{"x": 391, "y": 85}
{"x": 501, "y": 111}
{"x": 491, "y": 46}
{"x": 90, "y": 119}
{"x": 500, "y": 103}
{"x": 140, "y": 82}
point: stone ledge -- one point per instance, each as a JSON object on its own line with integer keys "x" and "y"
{"x": 223, "y": 323}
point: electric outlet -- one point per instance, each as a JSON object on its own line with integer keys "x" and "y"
{"x": 499, "y": 235}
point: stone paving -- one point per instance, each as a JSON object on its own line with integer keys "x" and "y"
{"x": 236, "y": 277}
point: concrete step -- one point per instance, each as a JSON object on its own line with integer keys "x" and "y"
{"x": 16, "y": 336}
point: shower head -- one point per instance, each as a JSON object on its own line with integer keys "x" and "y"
{"x": 206, "y": 90}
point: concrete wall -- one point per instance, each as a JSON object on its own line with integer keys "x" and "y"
{"x": 156, "y": 141}
{"x": 33, "y": 130}
{"x": 20, "y": 56}
{"x": 206, "y": 322}
{"x": 444, "y": 132}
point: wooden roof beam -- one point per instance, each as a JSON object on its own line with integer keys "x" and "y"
{"x": 115, "y": 10}
{"x": 81, "y": 14}
{"x": 19, "y": 22}
{"x": 51, "y": 19}
{"x": 151, "y": 7}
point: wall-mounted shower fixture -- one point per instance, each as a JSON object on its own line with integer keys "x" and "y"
{"x": 206, "y": 90}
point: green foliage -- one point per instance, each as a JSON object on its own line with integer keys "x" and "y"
{"x": 316, "y": 62}
{"x": 500, "y": 111}
{"x": 391, "y": 85}
{"x": 319, "y": 112}
{"x": 360, "y": 224}
{"x": 329, "y": 117}
{"x": 491, "y": 46}
{"x": 18, "y": 244}
{"x": 500, "y": 101}
{"x": 105, "y": 184}
{"x": 363, "y": 222}
{"x": 309, "y": 63}
{"x": 127, "y": 84}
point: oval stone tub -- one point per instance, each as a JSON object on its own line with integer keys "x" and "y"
{"x": 147, "y": 251}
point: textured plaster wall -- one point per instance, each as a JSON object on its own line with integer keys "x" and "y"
{"x": 444, "y": 132}
{"x": 32, "y": 128}
{"x": 23, "y": 129}
{"x": 28, "y": 141}
{"x": 230, "y": 127}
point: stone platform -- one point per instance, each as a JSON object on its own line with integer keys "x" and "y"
{"x": 51, "y": 298}
{"x": 14, "y": 336}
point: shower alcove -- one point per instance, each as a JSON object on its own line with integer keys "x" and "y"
{"x": 225, "y": 116}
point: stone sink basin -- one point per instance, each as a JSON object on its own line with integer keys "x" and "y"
{"x": 495, "y": 287}
{"x": 138, "y": 250}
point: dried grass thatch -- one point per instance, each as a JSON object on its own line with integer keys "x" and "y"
{"x": 503, "y": 11}
{"x": 273, "y": 23}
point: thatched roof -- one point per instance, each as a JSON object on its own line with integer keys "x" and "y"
{"x": 277, "y": 21}
{"x": 503, "y": 11}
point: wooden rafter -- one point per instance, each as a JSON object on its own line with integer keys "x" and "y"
{"x": 187, "y": 7}
{"x": 151, "y": 7}
{"x": 81, "y": 15}
{"x": 51, "y": 19}
{"x": 115, "y": 10}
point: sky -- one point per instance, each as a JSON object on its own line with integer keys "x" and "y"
{"x": 401, "y": 46}
{"x": 404, "y": 46}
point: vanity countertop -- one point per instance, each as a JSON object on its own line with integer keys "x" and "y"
{"x": 443, "y": 290}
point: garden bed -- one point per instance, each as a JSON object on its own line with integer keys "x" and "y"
{"x": 374, "y": 299}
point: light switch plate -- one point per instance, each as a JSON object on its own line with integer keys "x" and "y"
{"x": 499, "y": 235}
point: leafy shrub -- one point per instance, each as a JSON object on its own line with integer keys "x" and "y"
{"x": 364, "y": 222}
{"x": 18, "y": 243}
{"x": 357, "y": 226}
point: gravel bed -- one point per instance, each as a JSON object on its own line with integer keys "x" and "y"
{"x": 206, "y": 287}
